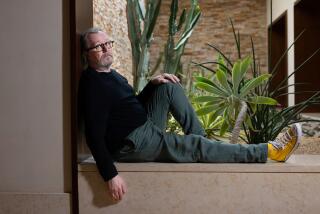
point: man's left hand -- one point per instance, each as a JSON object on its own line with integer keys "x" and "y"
{"x": 164, "y": 78}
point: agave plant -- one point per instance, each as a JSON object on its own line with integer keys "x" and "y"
{"x": 229, "y": 90}
{"x": 266, "y": 120}
{"x": 211, "y": 124}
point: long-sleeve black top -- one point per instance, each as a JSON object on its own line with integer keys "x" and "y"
{"x": 110, "y": 111}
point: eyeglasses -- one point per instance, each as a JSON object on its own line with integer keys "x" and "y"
{"x": 100, "y": 47}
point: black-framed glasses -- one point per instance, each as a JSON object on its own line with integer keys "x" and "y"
{"x": 100, "y": 47}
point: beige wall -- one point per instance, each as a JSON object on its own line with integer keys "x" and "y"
{"x": 34, "y": 95}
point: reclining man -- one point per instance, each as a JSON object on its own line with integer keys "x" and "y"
{"x": 121, "y": 126}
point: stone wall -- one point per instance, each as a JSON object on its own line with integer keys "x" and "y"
{"x": 311, "y": 129}
{"x": 213, "y": 27}
{"x": 111, "y": 16}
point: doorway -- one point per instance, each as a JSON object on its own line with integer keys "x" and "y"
{"x": 278, "y": 33}
{"x": 307, "y": 17}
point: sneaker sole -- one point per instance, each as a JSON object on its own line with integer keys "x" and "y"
{"x": 299, "y": 135}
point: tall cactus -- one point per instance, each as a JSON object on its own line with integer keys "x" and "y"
{"x": 142, "y": 16}
{"x": 174, "y": 52}
{"x": 141, "y": 22}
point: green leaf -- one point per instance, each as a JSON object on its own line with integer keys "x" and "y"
{"x": 185, "y": 36}
{"x": 219, "y": 110}
{"x": 236, "y": 76}
{"x": 222, "y": 78}
{"x": 173, "y": 16}
{"x": 153, "y": 18}
{"x": 134, "y": 31}
{"x": 182, "y": 19}
{"x": 253, "y": 107}
{"x": 206, "y": 110}
{"x": 203, "y": 99}
{"x": 224, "y": 127}
{"x": 212, "y": 102}
{"x": 252, "y": 84}
{"x": 236, "y": 38}
{"x": 212, "y": 120}
{"x": 212, "y": 83}
{"x": 210, "y": 89}
{"x": 215, "y": 122}
{"x": 141, "y": 10}
{"x": 262, "y": 100}
{"x": 239, "y": 70}
{"x": 204, "y": 80}
{"x": 248, "y": 122}
{"x": 221, "y": 64}
{"x": 220, "y": 53}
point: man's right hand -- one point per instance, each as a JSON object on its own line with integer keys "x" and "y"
{"x": 164, "y": 78}
{"x": 117, "y": 188}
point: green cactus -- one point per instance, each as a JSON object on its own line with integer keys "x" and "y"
{"x": 142, "y": 16}
{"x": 141, "y": 22}
{"x": 189, "y": 19}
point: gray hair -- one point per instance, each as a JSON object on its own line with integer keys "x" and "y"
{"x": 84, "y": 44}
{"x": 84, "y": 37}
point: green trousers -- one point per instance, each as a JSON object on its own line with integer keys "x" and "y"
{"x": 150, "y": 142}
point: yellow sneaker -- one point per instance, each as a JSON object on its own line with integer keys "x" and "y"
{"x": 285, "y": 144}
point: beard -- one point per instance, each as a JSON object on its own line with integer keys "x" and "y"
{"x": 105, "y": 61}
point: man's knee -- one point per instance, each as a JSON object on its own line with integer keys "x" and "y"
{"x": 170, "y": 86}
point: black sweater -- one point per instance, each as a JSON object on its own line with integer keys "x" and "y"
{"x": 110, "y": 110}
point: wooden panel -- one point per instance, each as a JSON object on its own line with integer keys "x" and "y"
{"x": 307, "y": 16}
{"x": 278, "y": 47}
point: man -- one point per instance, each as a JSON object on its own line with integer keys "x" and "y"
{"x": 123, "y": 127}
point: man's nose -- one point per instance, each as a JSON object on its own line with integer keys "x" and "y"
{"x": 104, "y": 48}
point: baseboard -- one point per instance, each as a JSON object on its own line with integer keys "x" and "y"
{"x": 35, "y": 203}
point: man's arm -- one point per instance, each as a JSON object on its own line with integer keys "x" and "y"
{"x": 96, "y": 115}
{"x": 116, "y": 185}
{"x": 95, "y": 133}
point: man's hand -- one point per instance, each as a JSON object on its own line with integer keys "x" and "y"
{"x": 164, "y": 78}
{"x": 117, "y": 188}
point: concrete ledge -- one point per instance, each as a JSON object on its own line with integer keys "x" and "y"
{"x": 291, "y": 187}
{"x": 296, "y": 163}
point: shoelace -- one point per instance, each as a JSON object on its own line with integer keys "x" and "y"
{"x": 280, "y": 142}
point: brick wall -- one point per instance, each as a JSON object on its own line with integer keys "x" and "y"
{"x": 214, "y": 28}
